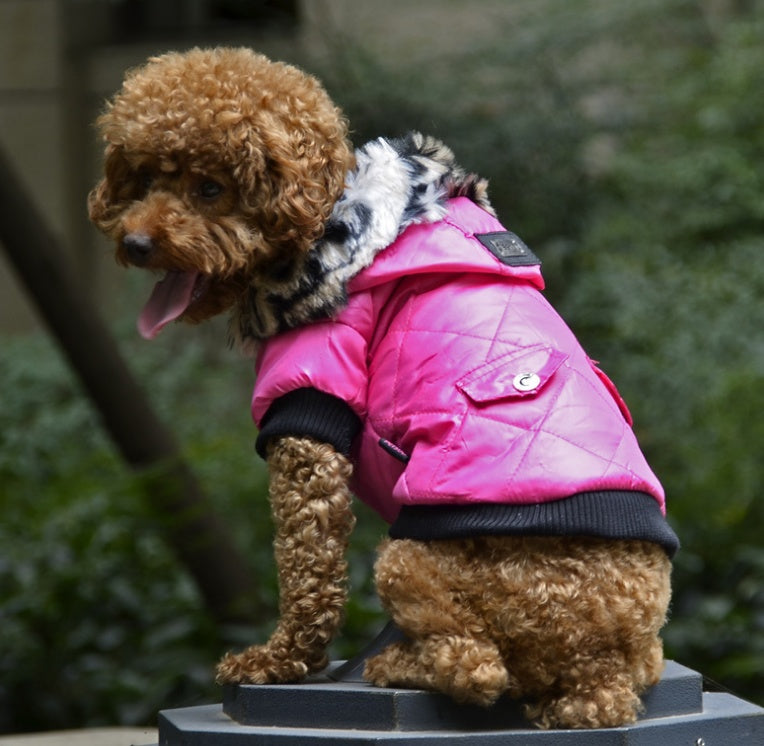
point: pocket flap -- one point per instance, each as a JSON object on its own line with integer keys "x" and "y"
{"x": 519, "y": 373}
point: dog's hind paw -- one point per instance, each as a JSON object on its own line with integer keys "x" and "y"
{"x": 467, "y": 670}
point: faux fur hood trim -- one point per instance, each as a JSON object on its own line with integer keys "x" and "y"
{"x": 396, "y": 183}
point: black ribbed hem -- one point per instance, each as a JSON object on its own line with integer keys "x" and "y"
{"x": 310, "y": 413}
{"x": 612, "y": 514}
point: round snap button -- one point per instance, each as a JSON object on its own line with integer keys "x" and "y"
{"x": 526, "y": 382}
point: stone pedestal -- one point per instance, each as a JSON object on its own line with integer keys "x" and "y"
{"x": 326, "y": 711}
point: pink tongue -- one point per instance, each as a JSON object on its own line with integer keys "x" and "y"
{"x": 170, "y": 297}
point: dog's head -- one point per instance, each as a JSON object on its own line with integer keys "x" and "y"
{"x": 221, "y": 169}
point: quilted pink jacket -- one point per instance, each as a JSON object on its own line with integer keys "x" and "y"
{"x": 473, "y": 395}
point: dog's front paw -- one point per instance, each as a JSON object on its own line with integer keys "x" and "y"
{"x": 260, "y": 664}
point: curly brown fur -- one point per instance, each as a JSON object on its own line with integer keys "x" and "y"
{"x": 310, "y": 503}
{"x": 265, "y": 132}
{"x": 570, "y": 624}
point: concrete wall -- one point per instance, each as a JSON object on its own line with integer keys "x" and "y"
{"x": 31, "y": 127}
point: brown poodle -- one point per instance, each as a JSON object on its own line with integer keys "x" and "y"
{"x": 228, "y": 173}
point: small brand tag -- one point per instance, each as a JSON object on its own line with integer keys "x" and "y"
{"x": 508, "y": 248}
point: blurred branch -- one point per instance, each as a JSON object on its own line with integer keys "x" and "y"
{"x": 189, "y": 524}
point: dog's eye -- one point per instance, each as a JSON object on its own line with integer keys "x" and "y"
{"x": 210, "y": 189}
{"x": 143, "y": 182}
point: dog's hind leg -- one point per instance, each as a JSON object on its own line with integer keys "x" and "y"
{"x": 310, "y": 503}
{"x": 600, "y": 691}
{"x": 449, "y": 649}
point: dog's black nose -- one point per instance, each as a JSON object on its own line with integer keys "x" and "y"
{"x": 139, "y": 247}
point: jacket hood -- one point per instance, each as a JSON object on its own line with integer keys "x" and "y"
{"x": 396, "y": 183}
{"x": 463, "y": 242}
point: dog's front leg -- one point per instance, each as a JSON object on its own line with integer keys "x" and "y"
{"x": 310, "y": 502}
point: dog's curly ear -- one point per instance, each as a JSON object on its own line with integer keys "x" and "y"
{"x": 107, "y": 199}
{"x": 294, "y": 190}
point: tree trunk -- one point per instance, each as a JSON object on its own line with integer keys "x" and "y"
{"x": 192, "y": 529}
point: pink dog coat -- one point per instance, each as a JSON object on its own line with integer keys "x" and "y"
{"x": 465, "y": 402}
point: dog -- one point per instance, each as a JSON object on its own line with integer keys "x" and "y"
{"x": 404, "y": 353}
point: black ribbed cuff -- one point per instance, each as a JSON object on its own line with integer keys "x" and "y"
{"x": 310, "y": 413}
{"x": 612, "y": 514}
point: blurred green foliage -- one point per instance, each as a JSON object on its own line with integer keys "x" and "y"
{"x": 100, "y": 625}
{"x": 625, "y": 144}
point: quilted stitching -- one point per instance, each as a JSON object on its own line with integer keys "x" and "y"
{"x": 426, "y": 333}
{"x": 433, "y": 327}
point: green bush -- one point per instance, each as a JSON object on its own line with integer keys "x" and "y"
{"x": 99, "y": 623}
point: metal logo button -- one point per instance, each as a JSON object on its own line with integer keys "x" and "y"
{"x": 526, "y": 382}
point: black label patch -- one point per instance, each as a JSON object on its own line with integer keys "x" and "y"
{"x": 508, "y": 248}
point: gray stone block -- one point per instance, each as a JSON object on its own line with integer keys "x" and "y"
{"x": 324, "y": 703}
{"x": 324, "y": 711}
